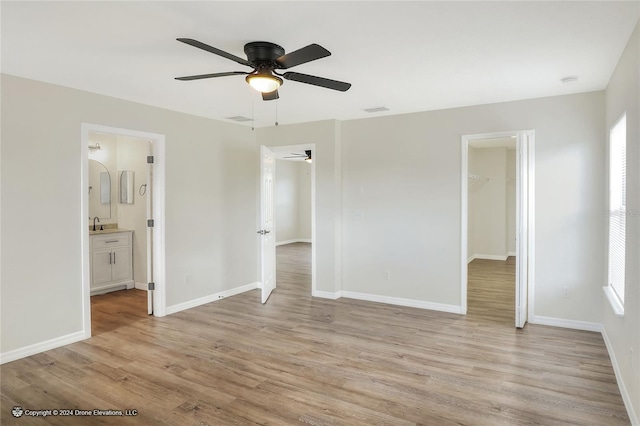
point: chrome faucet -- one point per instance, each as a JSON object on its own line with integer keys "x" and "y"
{"x": 94, "y": 222}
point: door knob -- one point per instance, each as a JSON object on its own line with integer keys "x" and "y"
{"x": 263, "y": 232}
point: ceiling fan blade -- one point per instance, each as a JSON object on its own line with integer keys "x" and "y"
{"x": 317, "y": 81}
{"x": 200, "y": 45}
{"x": 271, "y": 96}
{"x": 218, "y": 74}
{"x": 301, "y": 56}
{"x": 297, "y": 156}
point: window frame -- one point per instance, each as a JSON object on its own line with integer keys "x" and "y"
{"x": 613, "y": 294}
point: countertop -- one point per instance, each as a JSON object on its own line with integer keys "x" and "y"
{"x": 109, "y": 231}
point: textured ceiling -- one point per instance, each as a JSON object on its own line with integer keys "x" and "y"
{"x": 405, "y": 56}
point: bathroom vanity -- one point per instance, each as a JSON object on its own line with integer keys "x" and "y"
{"x": 111, "y": 260}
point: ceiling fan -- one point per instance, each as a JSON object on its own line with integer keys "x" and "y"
{"x": 306, "y": 155}
{"x": 265, "y": 58}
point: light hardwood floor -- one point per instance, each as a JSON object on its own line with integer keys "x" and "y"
{"x": 299, "y": 359}
{"x": 491, "y": 290}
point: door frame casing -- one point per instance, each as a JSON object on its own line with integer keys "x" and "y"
{"x": 306, "y": 146}
{"x": 529, "y": 161}
{"x": 158, "y": 209}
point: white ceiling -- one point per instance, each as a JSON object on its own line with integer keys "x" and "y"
{"x": 406, "y": 56}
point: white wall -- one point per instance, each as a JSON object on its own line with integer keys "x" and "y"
{"x": 401, "y": 199}
{"x": 488, "y": 208}
{"x": 511, "y": 202}
{"x": 106, "y": 155}
{"x": 211, "y": 194}
{"x": 131, "y": 155}
{"x": 293, "y": 201}
{"x": 326, "y": 135}
{"x": 623, "y": 333}
{"x": 304, "y": 201}
{"x": 472, "y": 182}
{"x": 491, "y": 203}
{"x": 287, "y": 189}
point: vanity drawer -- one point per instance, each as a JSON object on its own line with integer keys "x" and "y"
{"x": 111, "y": 240}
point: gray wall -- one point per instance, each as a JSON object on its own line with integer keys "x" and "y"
{"x": 211, "y": 175}
{"x": 401, "y": 175}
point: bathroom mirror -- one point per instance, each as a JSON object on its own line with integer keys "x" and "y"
{"x": 126, "y": 187}
{"x": 99, "y": 190}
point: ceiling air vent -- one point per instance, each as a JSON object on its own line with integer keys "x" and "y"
{"x": 239, "y": 118}
{"x": 376, "y": 109}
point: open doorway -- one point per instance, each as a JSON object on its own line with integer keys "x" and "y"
{"x": 491, "y": 238}
{"x": 497, "y": 226}
{"x": 293, "y": 219}
{"x": 294, "y": 225}
{"x": 122, "y": 201}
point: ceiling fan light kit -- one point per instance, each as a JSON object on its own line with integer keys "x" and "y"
{"x": 265, "y": 57}
{"x": 264, "y": 82}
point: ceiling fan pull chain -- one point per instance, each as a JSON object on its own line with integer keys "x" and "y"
{"x": 252, "y": 129}
{"x": 276, "y": 112}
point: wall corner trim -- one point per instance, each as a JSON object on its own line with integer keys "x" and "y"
{"x": 623, "y": 390}
{"x": 211, "y": 298}
{"x": 327, "y": 294}
{"x": 567, "y": 323}
{"x": 47, "y": 345}
{"x": 490, "y": 257}
{"x": 295, "y": 240}
{"x": 411, "y": 303}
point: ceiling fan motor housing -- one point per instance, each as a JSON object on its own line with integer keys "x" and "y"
{"x": 262, "y": 54}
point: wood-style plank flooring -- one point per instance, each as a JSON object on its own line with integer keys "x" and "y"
{"x": 117, "y": 309}
{"x": 491, "y": 290}
{"x": 303, "y": 360}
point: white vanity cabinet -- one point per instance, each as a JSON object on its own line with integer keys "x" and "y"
{"x": 111, "y": 262}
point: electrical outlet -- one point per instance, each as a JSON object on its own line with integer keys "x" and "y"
{"x": 358, "y": 216}
{"x": 387, "y": 274}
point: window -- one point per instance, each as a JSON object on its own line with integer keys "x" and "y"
{"x": 617, "y": 211}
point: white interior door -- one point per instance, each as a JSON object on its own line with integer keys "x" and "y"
{"x": 149, "y": 229}
{"x": 267, "y": 228}
{"x": 522, "y": 231}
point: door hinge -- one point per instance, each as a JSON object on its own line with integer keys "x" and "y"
{"x": 151, "y": 286}
{"x": 149, "y": 159}
{"x": 150, "y": 223}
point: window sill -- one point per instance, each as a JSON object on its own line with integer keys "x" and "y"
{"x": 618, "y": 308}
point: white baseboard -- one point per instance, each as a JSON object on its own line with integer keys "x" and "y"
{"x": 208, "y": 299}
{"x": 489, "y": 256}
{"x": 327, "y": 294}
{"x": 623, "y": 390}
{"x": 469, "y": 260}
{"x": 298, "y": 240}
{"x": 42, "y": 346}
{"x": 412, "y": 303}
{"x": 141, "y": 286}
{"x": 566, "y": 323}
{"x": 511, "y": 253}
